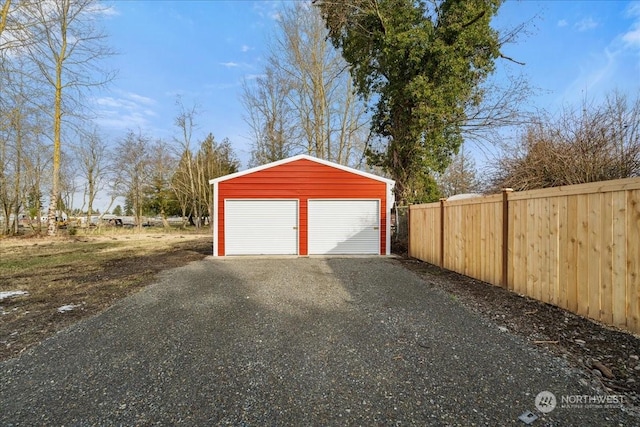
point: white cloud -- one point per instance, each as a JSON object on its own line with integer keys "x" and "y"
{"x": 110, "y": 11}
{"x": 632, "y": 37}
{"x": 608, "y": 62}
{"x": 117, "y": 120}
{"x": 104, "y": 10}
{"x": 126, "y": 110}
{"x": 586, "y": 24}
{"x": 245, "y": 48}
{"x": 141, "y": 99}
{"x": 602, "y": 71}
{"x": 562, "y": 23}
{"x": 101, "y": 10}
{"x": 268, "y": 9}
{"x": 597, "y": 75}
{"x": 230, "y": 64}
{"x": 108, "y": 101}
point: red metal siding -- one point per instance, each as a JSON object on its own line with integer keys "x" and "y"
{"x": 303, "y": 180}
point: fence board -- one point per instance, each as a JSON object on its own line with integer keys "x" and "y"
{"x": 532, "y": 240}
{"x": 583, "y": 255}
{"x": 563, "y": 253}
{"x": 485, "y": 229}
{"x": 513, "y": 250}
{"x": 571, "y": 263}
{"x": 495, "y": 243}
{"x": 476, "y": 250}
{"x": 633, "y": 259}
{"x": 544, "y": 237}
{"x": 425, "y": 220}
{"x": 552, "y": 267}
{"x": 466, "y": 251}
{"x": 606, "y": 231}
{"x": 520, "y": 284}
{"x": 594, "y": 256}
{"x": 619, "y": 259}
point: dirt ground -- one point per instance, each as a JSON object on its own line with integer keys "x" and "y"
{"x": 85, "y": 274}
{"x": 610, "y": 356}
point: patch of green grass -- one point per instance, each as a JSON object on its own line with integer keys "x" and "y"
{"x": 31, "y": 259}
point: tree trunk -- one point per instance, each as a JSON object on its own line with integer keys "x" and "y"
{"x": 57, "y": 124}
{"x": 163, "y": 215}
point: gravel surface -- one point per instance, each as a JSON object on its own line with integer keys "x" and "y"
{"x": 306, "y": 341}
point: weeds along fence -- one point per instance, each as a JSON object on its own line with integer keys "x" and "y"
{"x": 576, "y": 247}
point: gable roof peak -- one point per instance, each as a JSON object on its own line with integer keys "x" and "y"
{"x": 301, "y": 157}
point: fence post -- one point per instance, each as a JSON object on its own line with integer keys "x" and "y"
{"x": 442, "y": 232}
{"x": 505, "y": 237}
{"x": 408, "y": 228}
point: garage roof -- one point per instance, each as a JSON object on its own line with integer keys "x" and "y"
{"x": 388, "y": 181}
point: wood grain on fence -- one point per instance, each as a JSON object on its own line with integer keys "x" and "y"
{"x": 426, "y": 235}
{"x": 577, "y": 247}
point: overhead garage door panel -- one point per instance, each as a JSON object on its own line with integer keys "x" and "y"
{"x": 261, "y": 227}
{"x": 344, "y": 227}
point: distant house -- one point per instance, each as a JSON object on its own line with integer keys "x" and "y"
{"x": 60, "y": 216}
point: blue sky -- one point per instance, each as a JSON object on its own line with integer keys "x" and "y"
{"x": 202, "y": 51}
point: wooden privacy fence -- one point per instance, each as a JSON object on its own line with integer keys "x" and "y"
{"x": 577, "y": 247}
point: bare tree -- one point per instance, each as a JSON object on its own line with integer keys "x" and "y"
{"x": 91, "y": 156}
{"x": 180, "y": 183}
{"x": 15, "y": 26}
{"x": 68, "y": 184}
{"x": 191, "y": 178}
{"x": 116, "y": 185}
{"x": 305, "y": 102}
{"x": 596, "y": 143}
{"x": 11, "y": 163}
{"x": 67, "y": 52}
{"x": 36, "y": 179}
{"x": 502, "y": 107}
{"x": 19, "y": 129}
{"x": 132, "y": 167}
{"x": 4, "y": 15}
{"x": 270, "y": 117}
{"x": 162, "y": 167}
{"x": 460, "y": 176}
{"x": 213, "y": 160}
{"x": 185, "y": 122}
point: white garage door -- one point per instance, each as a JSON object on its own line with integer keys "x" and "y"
{"x": 344, "y": 227}
{"x": 257, "y": 227}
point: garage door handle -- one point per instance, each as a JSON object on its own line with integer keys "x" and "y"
{"x": 295, "y": 228}
{"x": 376, "y": 228}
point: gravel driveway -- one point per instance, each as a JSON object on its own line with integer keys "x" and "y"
{"x": 306, "y": 341}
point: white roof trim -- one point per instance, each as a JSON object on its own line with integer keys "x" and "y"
{"x": 301, "y": 157}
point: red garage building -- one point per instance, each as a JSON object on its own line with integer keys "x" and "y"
{"x": 302, "y": 206}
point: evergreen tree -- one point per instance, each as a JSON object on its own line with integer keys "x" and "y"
{"x": 422, "y": 64}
